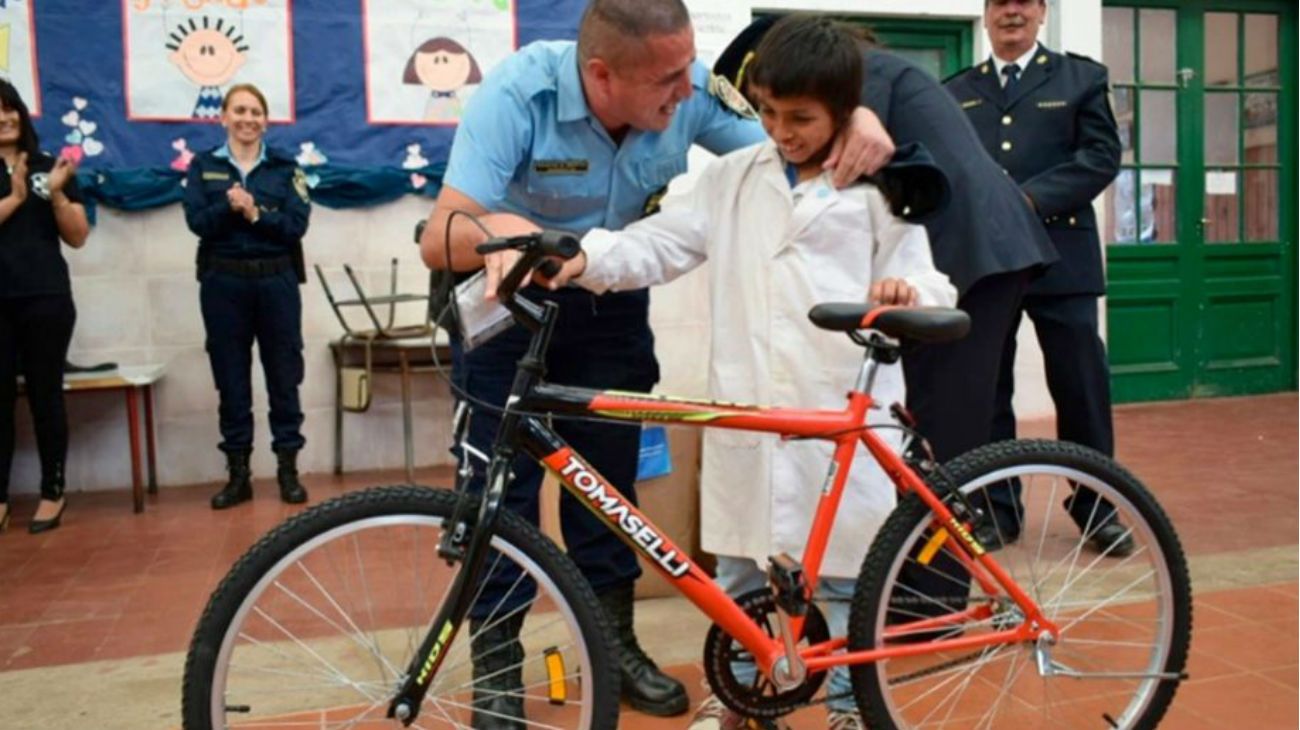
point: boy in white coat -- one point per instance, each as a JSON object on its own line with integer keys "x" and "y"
{"x": 781, "y": 239}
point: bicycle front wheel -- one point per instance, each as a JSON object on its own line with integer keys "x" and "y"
{"x": 1121, "y": 598}
{"x": 317, "y": 623}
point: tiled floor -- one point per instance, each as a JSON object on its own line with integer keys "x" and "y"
{"x": 110, "y": 585}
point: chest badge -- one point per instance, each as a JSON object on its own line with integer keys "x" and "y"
{"x": 40, "y": 184}
{"x": 561, "y": 167}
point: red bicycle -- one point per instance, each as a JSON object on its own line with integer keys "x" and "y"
{"x": 368, "y": 610}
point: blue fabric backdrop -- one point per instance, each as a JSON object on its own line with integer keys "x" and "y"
{"x": 79, "y": 58}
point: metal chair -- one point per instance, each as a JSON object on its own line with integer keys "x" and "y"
{"x": 386, "y": 338}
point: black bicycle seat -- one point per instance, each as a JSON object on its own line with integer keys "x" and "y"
{"x": 918, "y": 324}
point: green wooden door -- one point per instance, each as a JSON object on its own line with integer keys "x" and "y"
{"x": 1200, "y": 234}
{"x": 941, "y": 47}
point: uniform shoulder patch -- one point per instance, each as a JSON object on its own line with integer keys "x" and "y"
{"x": 300, "y": 184}
{"x": 722, "y": 89}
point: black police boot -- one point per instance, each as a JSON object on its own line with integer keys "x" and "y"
{"x": 286, "y": 473}
{"x": 497, "y": 657}
{"x": 645, "y": 687}
{"x": 240, "y": 487}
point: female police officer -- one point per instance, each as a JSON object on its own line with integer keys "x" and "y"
{"x": 39, "y": 204}
{"x": 249, "y": 206}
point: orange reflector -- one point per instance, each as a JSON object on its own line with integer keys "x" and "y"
{"x": 932, "y": 547}
{"x": 557, "y": 690}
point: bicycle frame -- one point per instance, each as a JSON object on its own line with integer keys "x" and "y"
{"x": 846, "y": 428}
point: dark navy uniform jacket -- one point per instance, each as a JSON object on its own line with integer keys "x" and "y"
{"x": 278, "y": 188}
{"x": 986, "y": 228}
{"x": 1055, "y": 135}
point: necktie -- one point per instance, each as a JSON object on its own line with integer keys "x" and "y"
{"x": 1012, "y": 73}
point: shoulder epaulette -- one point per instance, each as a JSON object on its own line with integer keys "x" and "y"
{"x": 1087, "y": 59}
{"x": 950, "y": 77}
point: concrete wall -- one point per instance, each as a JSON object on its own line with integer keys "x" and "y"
{"x": 138, "y": 303}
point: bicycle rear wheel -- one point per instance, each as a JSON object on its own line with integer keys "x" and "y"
{"x": 317, "y": 623}
{"x": 1125, "y": 619}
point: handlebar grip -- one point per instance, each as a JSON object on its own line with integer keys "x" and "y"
{"x": 559, "y": 243}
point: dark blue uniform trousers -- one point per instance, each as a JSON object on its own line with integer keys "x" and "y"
{"x": 1078, "y": 378}
{"x": 599, "y": 342}
{"x": 236, "y": 311}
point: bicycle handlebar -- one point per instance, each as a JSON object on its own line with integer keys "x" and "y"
{"x": 547, "y": 243}
{"x": 538, "y": 249}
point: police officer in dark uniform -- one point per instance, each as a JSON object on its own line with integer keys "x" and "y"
{"x": 1046, "y": 118}
{"x": 249, "y": 206}
{"x": 986, "y": 239}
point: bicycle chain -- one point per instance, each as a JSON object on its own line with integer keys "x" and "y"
{"x": 918, "y": 674}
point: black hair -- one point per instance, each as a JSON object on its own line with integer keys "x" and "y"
{"x": 11, "y": 100}
{"x": 813, "y": 56}
{"x": 185, "y": 27}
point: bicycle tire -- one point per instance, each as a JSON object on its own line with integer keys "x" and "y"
{"x": 265, "y": 592}
{"x": 989, "y": 687}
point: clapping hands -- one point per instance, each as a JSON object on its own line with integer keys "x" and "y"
{"x": 241, "y": 201}
{"x": 64, "y": 169}
{"x": 18, "y": 178}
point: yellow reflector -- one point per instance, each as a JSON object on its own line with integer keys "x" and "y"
{"x": 932, "y": 547}
{"x": 557, "y": 690}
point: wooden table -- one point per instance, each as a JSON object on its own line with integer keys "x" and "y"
{"x": 137, "y": 382}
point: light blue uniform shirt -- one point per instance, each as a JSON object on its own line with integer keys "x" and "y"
{"x": 224, "y": 153}
{"x": 528, "y": 144}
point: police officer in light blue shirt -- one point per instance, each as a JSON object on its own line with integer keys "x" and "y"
{"x": 576, "y": 136}
{"x": 575, "y": 174}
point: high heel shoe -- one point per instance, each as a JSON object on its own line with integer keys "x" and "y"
{"x": 38, "y": 526}
{"x": 4, "y": 521}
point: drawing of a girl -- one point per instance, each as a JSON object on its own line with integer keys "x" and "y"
{"x": 444, "y": 67}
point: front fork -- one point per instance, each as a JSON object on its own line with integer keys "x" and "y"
{"x": 405, "y": 706}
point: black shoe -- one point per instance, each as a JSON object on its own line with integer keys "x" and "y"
{"x": 1113, "y": 539}
{"x": 644, "y": 686}
{"x": 52, "y": 490}
{"x": 497, "y": 658}
{"x": 240, "y": 487}
{"x": 36, "y": 527}
{"x": 291, "y": 490}
{"x": 993, "y": 535}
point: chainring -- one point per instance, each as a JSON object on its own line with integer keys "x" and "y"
{"x": 759, "y": 698}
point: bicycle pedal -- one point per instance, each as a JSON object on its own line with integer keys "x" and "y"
{"x": 789, "y": 585}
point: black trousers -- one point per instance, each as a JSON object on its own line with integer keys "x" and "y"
{"x": 34, "y": 337}
{"x": 599, "y": 342}
{"x": 951, "y": 387}
{"x": 1078, "y": 378}
{"x": 238, "y": 310}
